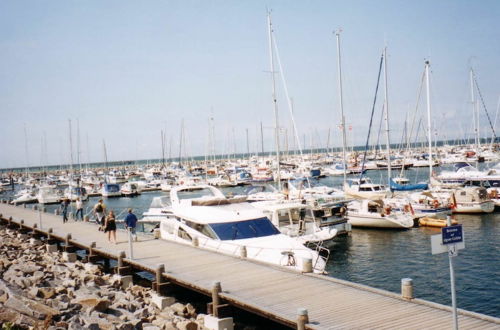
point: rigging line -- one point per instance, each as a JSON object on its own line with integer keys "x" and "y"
{"x": 371, "y": 117}
{"x": 289, "y": 100}
{"x": 484, "y": 105}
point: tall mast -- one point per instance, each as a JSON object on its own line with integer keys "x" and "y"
{"x": 474, "y": 112}
{"x": 429, "y": 128}
{"x": 337, "y": 34}
{"x": 26, "y": 149}
{"x": 275, "y": 104}
{"x": 386, "y": 115}
{"x": 70, "y": 147}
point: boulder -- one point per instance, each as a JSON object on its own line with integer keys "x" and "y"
{"x": 97, "y": 304}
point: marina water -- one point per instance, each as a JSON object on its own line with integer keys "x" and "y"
{"x": 381, "y": 258}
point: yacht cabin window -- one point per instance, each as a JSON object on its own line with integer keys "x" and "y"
{"x": 253, "y": 228}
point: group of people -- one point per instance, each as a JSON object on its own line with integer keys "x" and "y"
{"x": 65, "y": 208}
{"x": 106, "y": 220}
{"x": 107, "y": 223}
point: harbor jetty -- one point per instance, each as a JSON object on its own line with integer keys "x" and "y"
{"x": 298, "y": 300}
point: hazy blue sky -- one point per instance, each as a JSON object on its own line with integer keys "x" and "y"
{"x": 128, "y": 69}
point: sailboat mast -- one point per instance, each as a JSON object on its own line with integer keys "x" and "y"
{"x": 386, "y": 118}
{"x": 337, "y": 35}
{"x": 474, "y": 112}
{"x": 275, "y": 104}
{"x": 429, "y": 128}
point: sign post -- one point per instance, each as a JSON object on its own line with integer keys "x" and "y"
{"x": 451, "y": 240}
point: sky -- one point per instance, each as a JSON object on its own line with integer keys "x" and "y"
{"x": 121, "y": 72}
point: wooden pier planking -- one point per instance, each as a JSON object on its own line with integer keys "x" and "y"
{"x": 264, "y": 289}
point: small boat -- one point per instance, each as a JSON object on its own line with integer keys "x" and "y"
{"x": 110, "y": 190}
{"x": 48, "y": 195}
{"x": 433, "y": 222}
{"x": 129, "y": 189}
{"x": 364, "y": 188}
{"x": 375, "y": 214}
{"x": 72, "y": 193}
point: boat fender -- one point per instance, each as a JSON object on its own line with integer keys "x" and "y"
{"x": 388, "y": 210}
{"x": 342, "y": 211}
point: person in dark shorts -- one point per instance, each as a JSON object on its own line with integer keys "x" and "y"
{"x": 110, "y": 227}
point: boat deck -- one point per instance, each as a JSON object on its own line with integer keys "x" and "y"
{"x": 263, "y": 289}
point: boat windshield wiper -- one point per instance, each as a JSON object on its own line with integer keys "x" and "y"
{"x": 253, "y": 229}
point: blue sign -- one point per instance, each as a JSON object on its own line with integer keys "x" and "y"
{"x": 452, "y": 234}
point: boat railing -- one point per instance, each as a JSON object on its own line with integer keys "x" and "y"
{"x": 322, "y": 253}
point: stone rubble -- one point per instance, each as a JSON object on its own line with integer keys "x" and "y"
{"x": 39, "y": 290}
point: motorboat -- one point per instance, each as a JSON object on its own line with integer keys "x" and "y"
{"x": 48, "y": 195}
{"x": 468, "y": 200}
{"x": 298, "y": 220}
{"x": 375, "y": 214}
{"x": 129, "y": 189}
{"x": 203, "y": 216}
{"x": 364, "y": 188}
{"x": 25, "y": 196}
{"x": 110, "y": 190}
{"x": 222, "y": 180}
{"x": 72, "y": 193}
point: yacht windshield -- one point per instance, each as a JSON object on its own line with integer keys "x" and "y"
{"x": 195, "y": 193}
{"x": 244, "y": 229}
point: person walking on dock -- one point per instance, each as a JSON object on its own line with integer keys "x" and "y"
{"x": 100, "y": 213}
{"x": 79, "y": 209}
{"x": 64, "y": 206}
{"x": 131, "y": 223}
{"x": 110, "y": 227}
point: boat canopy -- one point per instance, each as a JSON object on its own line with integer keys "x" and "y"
{"x": 407, "y": 187}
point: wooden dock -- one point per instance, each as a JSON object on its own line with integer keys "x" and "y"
{"x": 269, "y": 291}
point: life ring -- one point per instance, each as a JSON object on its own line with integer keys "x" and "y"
{"x": 452, "y": 206}
{"x": 435, "y": 203}
{"x": 407, "y": 208}
{"x": 493, "y": 193}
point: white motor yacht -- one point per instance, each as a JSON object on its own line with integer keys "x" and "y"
{"x": 129, "y": 189}
{"x": 297, "y": 220}
{"x": 202, "y": 215}
{"x": 110, "y": 190}
{"x": 25, "y": 196}
{"x": 364, "y": 188}
{"x": 72, "y": 193}
{"x": 373, "y": 213}
{"x": 48, "y": 195}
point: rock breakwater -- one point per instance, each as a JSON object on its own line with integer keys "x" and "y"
{"x": 39, "y": 290}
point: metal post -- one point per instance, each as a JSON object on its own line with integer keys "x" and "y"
{"x": 453, "y": 295}
{"x": 451, "y": 253}
{"x": 130, "y": 250}
{"x": 40, "y": 218}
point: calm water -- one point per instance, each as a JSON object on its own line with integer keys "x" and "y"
{"x": 381, "y": 258}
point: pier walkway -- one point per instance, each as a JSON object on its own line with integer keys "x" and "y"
{"x": 265, "y": 290}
